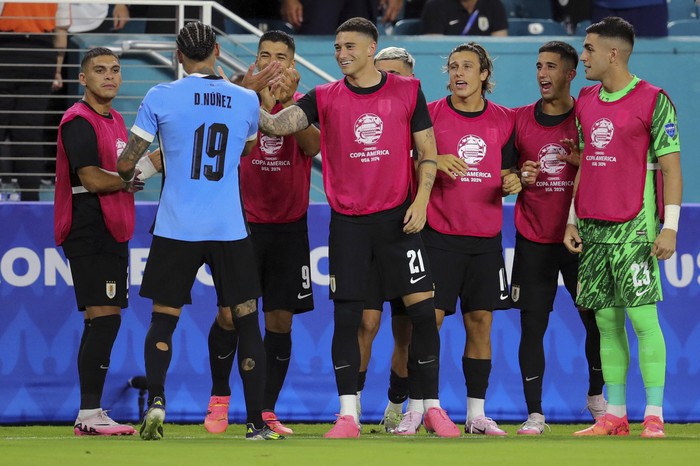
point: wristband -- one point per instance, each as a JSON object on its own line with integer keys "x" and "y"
{"x": 146, "y": 168}
{"x": 427, "y": 161}
{"x": 573, "y": 219}
{"x": 672, "y": 214}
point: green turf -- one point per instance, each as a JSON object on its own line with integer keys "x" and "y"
{"x": 191, "y": 445}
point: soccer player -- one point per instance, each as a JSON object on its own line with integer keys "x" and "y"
{"x": 629, "y": 132}
{"x": 275, "y": 181}
{"x": 463, "y": 232}
{"x": 366, "y": 121}
{"x": 93, "y": 223}
{"x": 540, "y": 221}
{"x": 204, "y": 124}
{"x": 394, "y": 60}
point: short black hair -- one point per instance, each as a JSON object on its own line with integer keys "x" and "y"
{"x": 565, "y": 51}
{"x": 278, "y": 36}
{"x": 613, "y": 27}
{"x": 93, "y": 53}
{"x": 196, "y": 40}
{"x": 361, "y": 25}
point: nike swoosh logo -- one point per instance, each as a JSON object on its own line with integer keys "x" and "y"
{"x": 504, "y": 296}
{"x": 226, "y": 356}
{"x": 425, "y": 362}
{"x": 416, "y": 280}
{"x": 453, "y": 22}
{"x": 103, "y": 367}
{"x": 341, "y": 367}
{"x": 641, "y": 292}
{"x": 476, "y": 429}
{"x": 530, "y": 379}
{"x": 283, "y": 359}
{"x": 302, "y": 296}
{"x": 597, "y": 369}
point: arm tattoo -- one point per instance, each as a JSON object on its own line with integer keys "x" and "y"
{"x": 428, "y": 180}
{"x": 288, "y": 121}
{"x": 132, "y": 153}
{"x": 426, "y": 170}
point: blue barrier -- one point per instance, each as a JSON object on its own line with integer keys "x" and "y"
{"x": 40, "y": 331}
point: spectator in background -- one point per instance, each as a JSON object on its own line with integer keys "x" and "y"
{"x": 78, "y": 18}
{"x": 649, "y": 17}
{"x": 570, "y": 13}
{"x": 27, "y": 41}
{"x": 413, "y": 8}
{"x": 465, "y": 17}
{"x": 321, "y": 17}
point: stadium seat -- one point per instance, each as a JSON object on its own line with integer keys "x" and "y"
{"x": 581, "y": 27}
{"x": 528, "y": 8}
{"x": 407, "y": 27}
{"x": 264, "y": 24}
{"x": 535, "y": 27}
{"x": 684, "y": 27}
{"x": 682, "y": 9}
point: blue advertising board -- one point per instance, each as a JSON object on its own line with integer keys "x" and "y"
{"x": 40, "y": 331}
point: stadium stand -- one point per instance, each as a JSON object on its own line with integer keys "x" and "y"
{"x": 407, "y": 27}
{"x": 535, "y": 27}
{"x": 684, "y": 27}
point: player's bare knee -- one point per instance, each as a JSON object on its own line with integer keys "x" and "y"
{"x": 224, "y": 318}
{"x": 278, "y": 321}
{"x": 370, "y": 323}
{"x": 162, "y": 346}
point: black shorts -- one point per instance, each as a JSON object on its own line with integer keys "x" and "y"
{"x": 172, "y": 268}
{"x": 375, "y": 298}
{"x": 400, "y": 259}
{"x": 282, "y": 255}
{"x": 101, "y": 279}
{"x": 536, "y": 268}
{"x": 478, "y": 280}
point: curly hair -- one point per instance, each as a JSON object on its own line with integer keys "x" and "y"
{"x": 196, "y": 41}
{"x": 485, "y": 63}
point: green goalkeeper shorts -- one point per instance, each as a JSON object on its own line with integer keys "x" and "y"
{"x": 618, "y": 275}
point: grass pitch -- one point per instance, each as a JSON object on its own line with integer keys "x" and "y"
{"x": 192, "y": 445}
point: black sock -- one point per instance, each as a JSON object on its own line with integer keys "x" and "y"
{"x": 94, "y": 359}
{"x": 425, "y": 344}
{"x": 595, "y": 372}
{"x": 160, "y": 333}
{"x": 83, "y": 337}
{"x": 278, "y": 350}
{"x": 361, "y": 379}
{"x": 476, "y": 374}
{"x": 398, "y": 388}
{"x": 533, "y": 326}
{"x": 251, "y": 366}
{"x": 222, "y": 346}
{"x": 345, "y": 348}
{"x": 415, "y": 390}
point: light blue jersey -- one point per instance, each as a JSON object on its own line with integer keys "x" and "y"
{"x": 202, "y": 123}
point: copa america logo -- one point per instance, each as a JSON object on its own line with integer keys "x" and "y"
{"x": 271, "y": 145}
{"x": 472, "y": 149}
{"x": 549, "y": 163}
{"x": 368, "y": 129}
{"x": 602, "y": 133}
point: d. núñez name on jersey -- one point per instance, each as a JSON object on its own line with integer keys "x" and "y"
{"x": 214, "y": 99}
